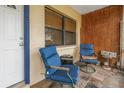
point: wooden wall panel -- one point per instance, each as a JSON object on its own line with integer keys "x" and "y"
{"x": 101, "y": 28}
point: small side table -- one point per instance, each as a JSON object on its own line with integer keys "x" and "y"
{"x": 107, "y": 64}
{"x": 108, "y": 56}
{"x": 66, "y": 59}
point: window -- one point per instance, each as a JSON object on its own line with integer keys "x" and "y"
{"x": 53, "y": 36}
{"x": 59, "y": 29}
{"x": 70, "y": 31}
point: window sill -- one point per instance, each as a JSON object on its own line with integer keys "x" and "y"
{"x": 66, "y": 47}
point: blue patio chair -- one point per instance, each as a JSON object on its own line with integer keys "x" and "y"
{"x": 88, "y": 56}
{"x": 64, "y": 74}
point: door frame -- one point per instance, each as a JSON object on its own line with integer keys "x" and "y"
{"x": 26, "y": 45}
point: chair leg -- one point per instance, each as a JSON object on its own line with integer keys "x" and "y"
{"x": 61, "y": 85}
{"x": 73, "y": 86}
{"x": 87, "y": 68}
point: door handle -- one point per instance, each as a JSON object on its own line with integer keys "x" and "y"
{"x": 21, "y": 44}
{"x": 21, "y": 38}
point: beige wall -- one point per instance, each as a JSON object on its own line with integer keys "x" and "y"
{"x": 37, "y": 39}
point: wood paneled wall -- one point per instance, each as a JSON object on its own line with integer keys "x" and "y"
{"x": 101, "y": 28}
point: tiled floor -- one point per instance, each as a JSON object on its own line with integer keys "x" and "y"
{"x": 100, "y": 79}
{"x": 112, "y": 79}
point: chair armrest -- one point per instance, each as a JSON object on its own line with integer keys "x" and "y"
{"x": 60, "y": 68}
{"x": 95, "y": 54}
{"x": 89, "y": 57}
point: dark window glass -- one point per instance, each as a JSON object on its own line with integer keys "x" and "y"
{"x": 70, "y": 38}
{"x": 53, "y": 37}
{"x": 70, "y": 31}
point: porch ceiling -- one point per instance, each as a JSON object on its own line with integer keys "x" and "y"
{"x": 83, "y": 9}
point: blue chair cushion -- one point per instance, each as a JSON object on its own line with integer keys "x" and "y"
{"x": 86, "y": 52}
{"x": 86, "y": 49}
{"x": 48, "y": 51}
{"x": 86, "y": 46}
{"x": 51, "y": 58}
{"x": 53, "y": 61}
{"x": 95, "y": 61}
{"x": 61, "y": 75}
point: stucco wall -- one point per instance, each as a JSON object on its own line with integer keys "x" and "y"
{"x": 37, "y": 39}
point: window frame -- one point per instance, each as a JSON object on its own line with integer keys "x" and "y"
{"x": 63, "y": 27}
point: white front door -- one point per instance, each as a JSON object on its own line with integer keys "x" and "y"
{"x": 11, "y": 45}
